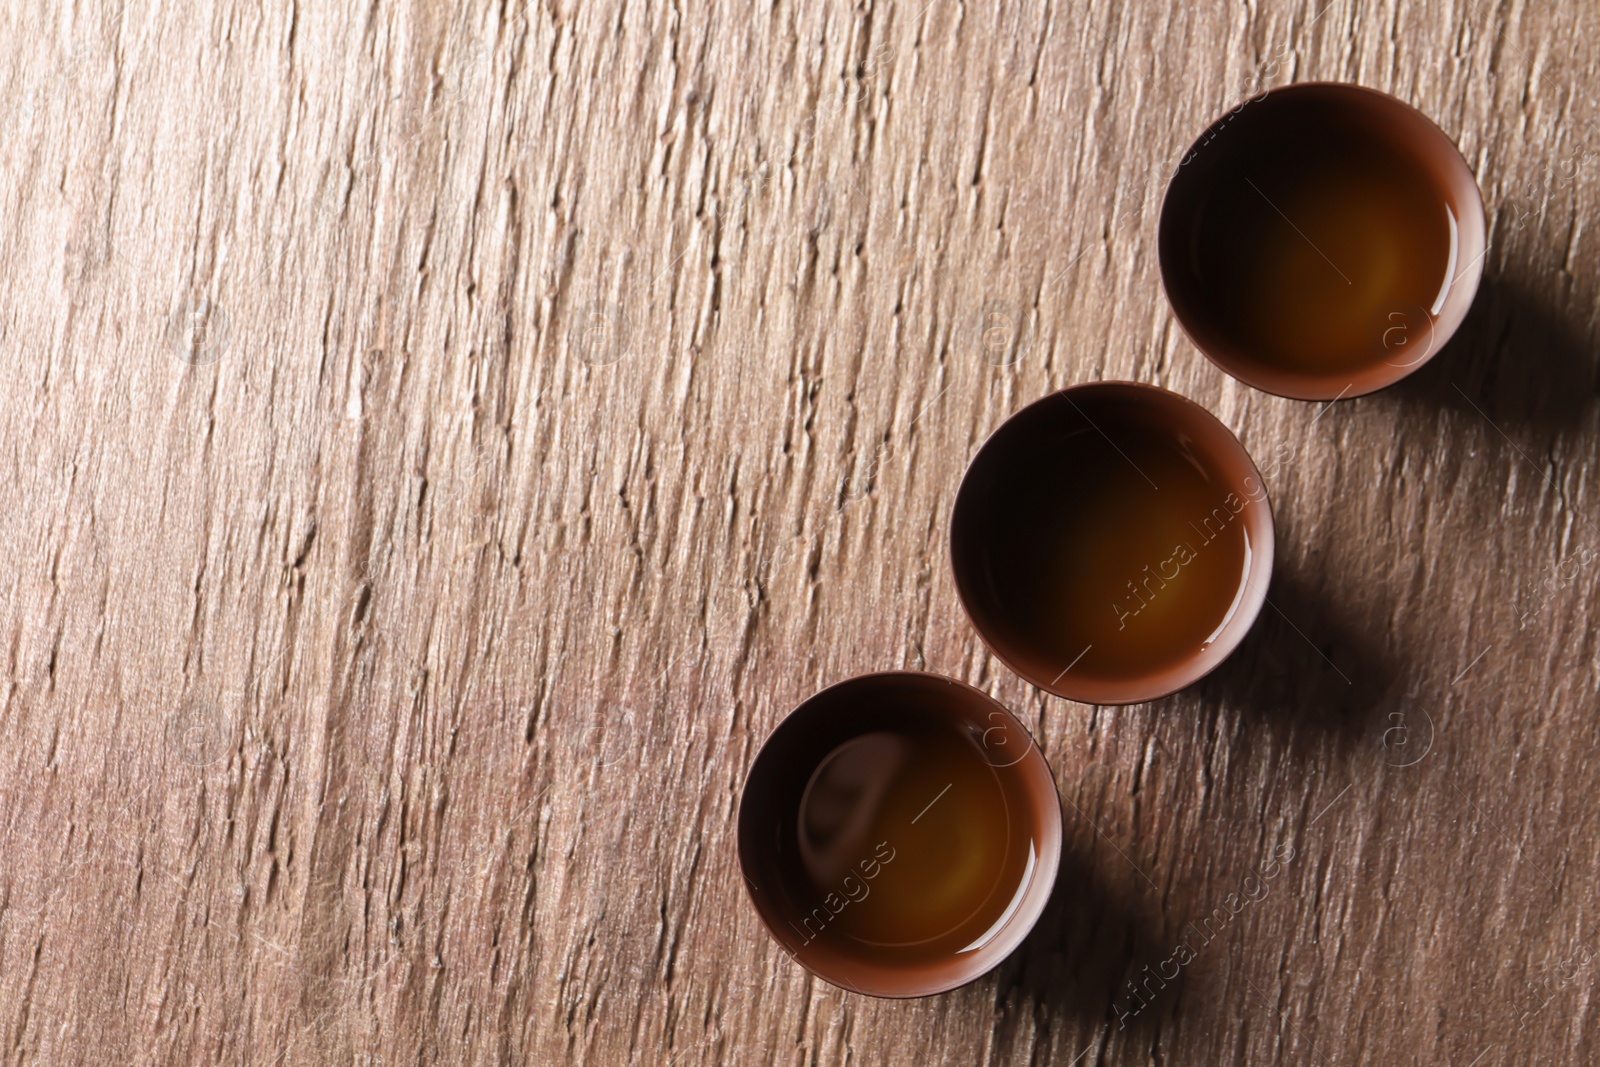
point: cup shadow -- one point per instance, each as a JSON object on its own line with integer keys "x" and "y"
{"x": 1303, "y": 665}
{"x": 1524, "y": 356}
{"x": 1075, "y": 966}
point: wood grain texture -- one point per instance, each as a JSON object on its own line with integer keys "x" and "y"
{"x": 442, "y": 441}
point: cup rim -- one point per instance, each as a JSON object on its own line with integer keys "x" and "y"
{"x": 1153, "y": 685}
{"x": 1016, "y": 928}
{"x": 1295, "y": 385}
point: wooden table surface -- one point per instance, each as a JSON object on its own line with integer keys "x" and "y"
{"x": 443, "y": 441}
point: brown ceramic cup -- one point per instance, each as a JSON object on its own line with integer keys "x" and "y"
{"x": 899, "y": 834}
{"x": 1321, "y": 241}
{"x": 1112, "y": 543}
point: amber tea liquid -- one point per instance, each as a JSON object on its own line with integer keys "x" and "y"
{"x": 1113, "y": 549}
{"x": 1322, "y": 243}
{"x": 909, "y": 840}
